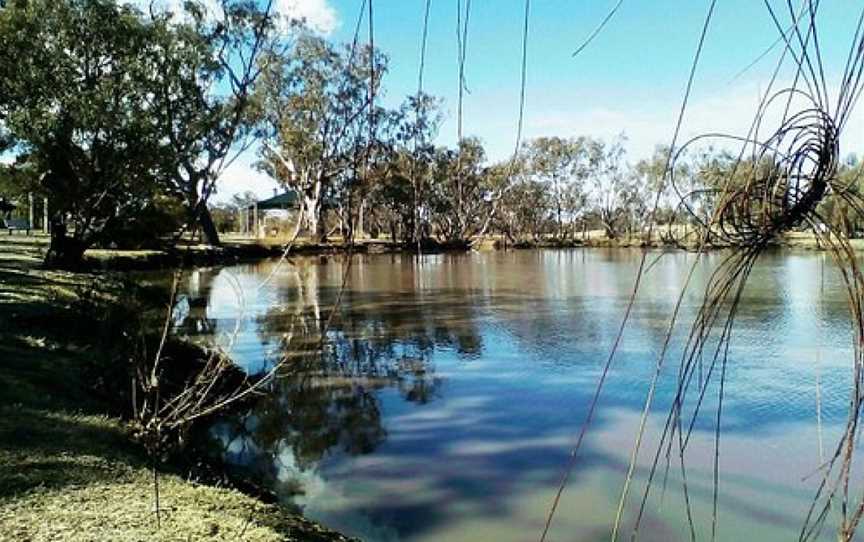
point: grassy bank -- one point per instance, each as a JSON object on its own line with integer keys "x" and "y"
{"x": 234, "y": 249}
{"x": 68, "y": 469}
{"x": 599, "y": 239}
{"x": 238, "y": 248}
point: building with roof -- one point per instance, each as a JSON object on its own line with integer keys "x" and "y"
{"x": 262, "y": 217}
{"x": 18, "y": 215}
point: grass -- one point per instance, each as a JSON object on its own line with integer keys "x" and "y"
{"x": 69, "y": 476}
{"x": 68, "y": 469}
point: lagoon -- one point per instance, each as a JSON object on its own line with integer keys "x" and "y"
{"x": 444, "y": 397}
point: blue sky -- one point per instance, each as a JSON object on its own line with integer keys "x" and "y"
{"x": 638, "y": 64}
{"x": 630, "y": 80}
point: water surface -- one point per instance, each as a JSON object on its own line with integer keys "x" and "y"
{"x": 450, "y": 390}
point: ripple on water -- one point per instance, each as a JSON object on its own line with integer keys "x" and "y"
{"x": 451, "y": 390}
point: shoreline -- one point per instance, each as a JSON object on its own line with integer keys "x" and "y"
{"x": 69, "y": 466}
{"x": 248, "y": 250}
{"x": 242, "y": 250}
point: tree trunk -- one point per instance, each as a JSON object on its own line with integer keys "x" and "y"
{"x": 64, "y": 252}
{"x": 204, "y": 219}
{"x": 508, "y": 236}
{"x": 321, "y": 230}
{"x": 611, "y": 233}
{"x": 361, "y": 214}
{"x": 340, "y": 214}
{"x": 315, "y": 219}
{"x": 560, "y": 221}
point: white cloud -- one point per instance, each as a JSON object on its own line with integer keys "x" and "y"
{"x": 728, "y": 111}
{"x": 318, "y": 14}
{"x": 241, "y": 176}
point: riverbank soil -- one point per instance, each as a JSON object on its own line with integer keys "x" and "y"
{"x": 68, "y": 469}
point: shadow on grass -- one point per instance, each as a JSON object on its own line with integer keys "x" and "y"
{"x": 38, "y": 376}
{"x": 53, "y": 432}
{"x": 42, "y": 449}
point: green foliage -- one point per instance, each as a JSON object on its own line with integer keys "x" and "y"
{"x": 202, "y": 74}
{"x": 151, "y": 227}
{"x": 224, "y": 218}
{"x": 228, "y": 216}
{"x": 19, "y": 179}
{"x": 112, "y": 111}
{"x": 315, "y": 112}
{"x": 561, "y": 167}
{"x": 126, "y": 121}
{"x": 843, "y": 211}
{"x": 459, "y": 199}
{"x": 558, "y": 185}
{"x": 400, "y": 183}
{"x": 73, "y": 94}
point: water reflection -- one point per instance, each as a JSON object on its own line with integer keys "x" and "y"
{"x": 442, "y": 400}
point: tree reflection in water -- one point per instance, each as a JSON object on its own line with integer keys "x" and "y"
{"x": 190, "y": 313}
{"x": 326, "y": 398}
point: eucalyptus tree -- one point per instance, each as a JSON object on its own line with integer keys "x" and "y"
{"x": 460, "y": 198}
{"x": 613, "y": 188}
{"x": 313, "y": 97}
{"x": 368, "y": 163}
{"x": 203, "y": 73}
{"x": 523, "y": 207}
{"x": 401, "y": 190}
{"x": 711, "y": 173}
{"x": 842, "y": 213}
{"x": 392, "y": 197}
{"x": 421, "y": 117}
{"x": 561, "y": 165}
{"x": 19, "y": 178}
{"x": 667, "y": 182}
{"x": 74, "y": 98}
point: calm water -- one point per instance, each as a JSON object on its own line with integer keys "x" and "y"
{"x": 450, "y": 391}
